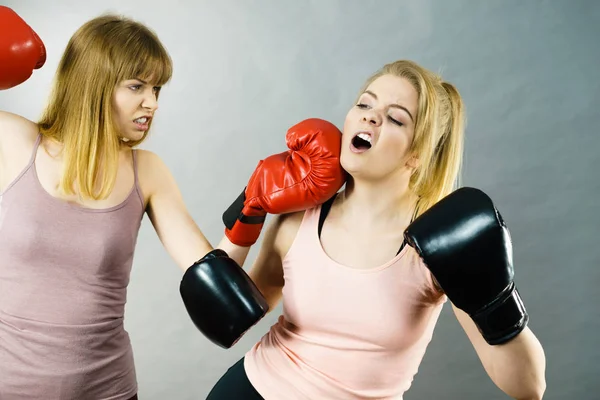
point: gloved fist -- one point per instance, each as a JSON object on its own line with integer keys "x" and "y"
{"x": 465, "y": 243}
{"x": 21, "y": 50}
{"x": 301, "y": 178}
{"x": 221, "y": 299}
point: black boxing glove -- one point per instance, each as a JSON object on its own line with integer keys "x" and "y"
{"x": 466, "y": 245}
{"x": 221, "y": 299}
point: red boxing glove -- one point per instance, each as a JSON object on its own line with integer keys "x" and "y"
{"x": 21, "y": 49}
{"x": 301, "y": 178}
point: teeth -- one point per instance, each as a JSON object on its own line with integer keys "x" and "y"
{"x": 365, "y": 136}
{"x": 141, "y": 120}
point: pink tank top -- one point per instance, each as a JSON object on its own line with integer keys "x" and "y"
{"x": 345, "y": 333}
{"x": 64, "y": 272}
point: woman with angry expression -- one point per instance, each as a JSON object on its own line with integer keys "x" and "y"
{"x": 73, "y": 191}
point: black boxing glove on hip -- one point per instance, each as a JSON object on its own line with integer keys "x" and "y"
{"x": 466, "y": 245}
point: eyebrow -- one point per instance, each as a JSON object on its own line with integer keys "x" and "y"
{"x": 141, "y": 80}
{"x": 393, "y": 105}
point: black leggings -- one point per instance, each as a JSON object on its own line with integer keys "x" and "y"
{"x": 234, "y": 385}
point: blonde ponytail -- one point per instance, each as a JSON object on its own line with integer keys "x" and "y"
{"x": 438, "y": 134}
{"x": 443, "y": 176}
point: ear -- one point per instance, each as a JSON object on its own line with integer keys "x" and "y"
{"x": 413, "y": 162}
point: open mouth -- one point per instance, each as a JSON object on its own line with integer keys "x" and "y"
{"x": 361, "y": 142}
{"x": 142, "y": 123}
{"x": 142, "y": 120}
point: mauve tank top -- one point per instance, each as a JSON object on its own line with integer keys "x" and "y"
{"x": 64, "y": 271}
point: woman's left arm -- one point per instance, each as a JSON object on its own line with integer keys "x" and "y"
{"x": 178, "y": 232}
{"x": 517, "y": 367}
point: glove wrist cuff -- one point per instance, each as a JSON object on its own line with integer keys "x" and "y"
{"x": 504, "y": 318}
{"x": 244, "y": 235}
{"x": 241, "y": 229}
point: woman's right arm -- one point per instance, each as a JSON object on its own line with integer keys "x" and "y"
{"x": 267, "y": 270}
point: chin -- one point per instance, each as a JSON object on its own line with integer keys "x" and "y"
{"x": 363, "y": 169}
{"x": 351, "y": 161}
{"x": 133, "y": 136}
{"x": 352, "y": 165}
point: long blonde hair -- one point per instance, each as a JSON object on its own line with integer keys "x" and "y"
{"x": 439, "y": 132}
{"x": 102, "y": 53}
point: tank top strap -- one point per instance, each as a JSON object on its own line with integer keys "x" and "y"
{"x": 27, "y": 168}
{"x": 324, "y": 210}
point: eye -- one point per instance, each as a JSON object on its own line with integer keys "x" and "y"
{"x": 394, "y": 121}
{"x": 360, "y": 105}
{"x": 135, "y": 88}
{"x": 156, "y": 89}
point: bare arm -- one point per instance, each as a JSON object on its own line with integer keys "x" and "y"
{"x": 175, "y": 228}
{"x": 267, "y": 270}
{"x": 238, "y": 253}
{"x": 517, "y": 367}
{"x": 17, "y": 137}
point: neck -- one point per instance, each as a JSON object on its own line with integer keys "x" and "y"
{"x": 378, "y": 203}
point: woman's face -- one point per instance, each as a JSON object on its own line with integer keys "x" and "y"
{"x": 379, "y": 129}
{"x": 134, "y": 104}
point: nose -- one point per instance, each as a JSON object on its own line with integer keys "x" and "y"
{"x": 371, "y": 117}
{"x": 150, "y": 101}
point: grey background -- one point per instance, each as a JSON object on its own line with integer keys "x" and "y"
{"x": 247, "y": 70}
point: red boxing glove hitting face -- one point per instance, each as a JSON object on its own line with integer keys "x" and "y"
{"x": 301, "y": 178}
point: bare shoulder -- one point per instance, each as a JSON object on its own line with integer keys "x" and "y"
{"x": 151, "y": 170}
{"x": 148, "y": 161}
{"x": 17, "y": 140}
{"x": 16, "y": 132}
{"x": 286, "y": 227}
{"x": 267, "y": 270}
{"x": 154, "y": 176}
{"x": 10, "y": 119}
